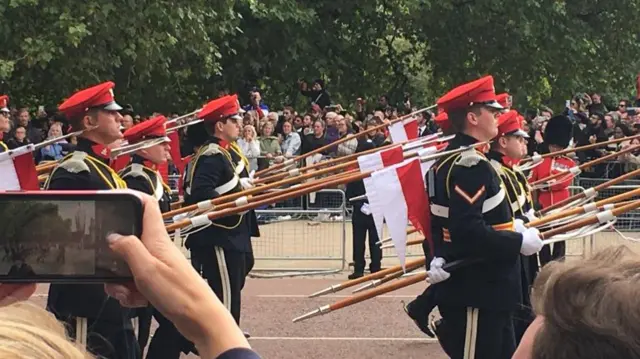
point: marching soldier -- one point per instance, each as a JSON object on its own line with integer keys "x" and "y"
{"x": 362, "y": 219}
{"x": 141, "y": 175}
{"x": 557, "y": 136}
{"x": 506, "y": 149}
{"x": 472, "y": 220}
{"x": 86, "y": 307}
{"x": 222, "y": 252}
{"x": 5, "y": 126}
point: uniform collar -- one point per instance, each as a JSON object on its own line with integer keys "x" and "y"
{"x": 94, "y": 149}
{"x": 137, "y": 159}
{"x": 462, "y": 139}
{"x": 220, "y": 142}
{"x": 504, "y": 160}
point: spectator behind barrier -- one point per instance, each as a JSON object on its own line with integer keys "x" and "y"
{"x": 250, "y": 146}
{"x": 291, "y": 141}
{"x": 269, "y": 146}
{"x": 162, "y": 276}
{"x": 586, "y": 309}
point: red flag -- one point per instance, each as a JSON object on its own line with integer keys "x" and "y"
{"x": 404, "y": 130}
{"x": 18, "y": 170}
{"x": 415, "y": 196}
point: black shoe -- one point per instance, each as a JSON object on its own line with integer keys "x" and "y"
{"x": 355, "y": 275}
{"x": 246, "y": 335}
{"x": 422, "y": 321}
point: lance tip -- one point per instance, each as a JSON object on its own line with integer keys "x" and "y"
{"x": 314, "y": 313}
{"x": 372, "y": 284}
{"x": 328, "y": 290}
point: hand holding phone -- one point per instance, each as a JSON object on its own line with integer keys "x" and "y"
{"x": 59, "y": 236}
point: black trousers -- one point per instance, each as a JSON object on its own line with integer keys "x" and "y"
{"x": 558, "y": 253}
{"x": 167, "y": 342}
{"x": 108, "y": 340}
{"x": 144, "y": 315}
{"x": 362, "y": 224}
{"x": 472, "y": 333}
{"x": 225, "y": 271}
{"x": 523, "y": 315}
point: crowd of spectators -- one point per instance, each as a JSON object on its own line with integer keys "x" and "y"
{"x": 273, "y": 134}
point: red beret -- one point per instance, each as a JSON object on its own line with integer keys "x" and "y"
{"x": 442, "y": 120}
{"x": 480, "y": 91}
{"x": 97, "y": 96}
{"x": 4, "y": 103}
{"x": 504, "y": 99}
{"x": 508, "y": 124}
{"x": 152, "y": 128}
{"x": 221, "y": 108}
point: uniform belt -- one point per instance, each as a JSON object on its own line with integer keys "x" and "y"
{"x": 487, "y": 205}
{"x": 446, "y": 236}
{"x": 228, "y": 186}
{"x": 239, "y": 168}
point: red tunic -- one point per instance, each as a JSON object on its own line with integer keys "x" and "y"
{"x": 559, "y": 190}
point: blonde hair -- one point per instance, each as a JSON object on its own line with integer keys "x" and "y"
{"x": 29, "y": 332}
{"x": 55, "y": 124}
{"x": 249, "y": 127}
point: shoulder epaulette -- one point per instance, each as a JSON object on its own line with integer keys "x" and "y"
{"x": 469, "y": 158}
{"x": 75, "y": 163}
{"x": 497, "y": 166}
{"x": 133, "y": 170}
{"x": 211, "y": 149}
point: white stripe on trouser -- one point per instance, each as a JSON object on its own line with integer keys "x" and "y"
{"x": 224, "y": 278}
{"x": 471, "y": 334}
{"x": 81, "y": 331}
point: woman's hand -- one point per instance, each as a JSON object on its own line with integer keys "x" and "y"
{"x": 164, "y": 277}
{"x": 15, "y": 292}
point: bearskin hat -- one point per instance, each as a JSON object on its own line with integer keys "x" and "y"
{"x": 559, "y": 131}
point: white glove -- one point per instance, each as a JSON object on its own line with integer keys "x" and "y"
{"x": 246, "y": 183}
{"x": 365, "y": 209}
{"x": 519, "y": 226}
{"x": 252, "y": 174}
{"x": 531, "y": 242}
{"x": 435, "y": 273}
{"x": 531, "y": 215}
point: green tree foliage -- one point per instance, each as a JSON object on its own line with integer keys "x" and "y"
{"x": 172, "y": 56}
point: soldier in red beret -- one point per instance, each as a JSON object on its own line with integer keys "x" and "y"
{"x": 221, "y": 252}
{"x": 506, "y": 150}
{"x": 4, "y": 120}
{"x": 141, "y": 175}
{"x": 472, "y": 221}
{"x": 504, "y": 99}
{"x": 109, "y": 329}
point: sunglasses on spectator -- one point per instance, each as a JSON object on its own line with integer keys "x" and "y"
{"x": 622, "y": 105}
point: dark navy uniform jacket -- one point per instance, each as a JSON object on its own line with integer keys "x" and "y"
{"x": 216, "y": 171}
{"x": 472, "y": 219}
{"x": 85, "y": 169}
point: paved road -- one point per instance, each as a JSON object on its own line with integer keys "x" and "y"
{"x": 378, "y": 328}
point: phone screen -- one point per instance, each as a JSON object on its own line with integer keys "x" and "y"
{"x": 52, "y": 238}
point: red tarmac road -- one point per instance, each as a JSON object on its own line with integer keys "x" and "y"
{"x": 377, "y": 328}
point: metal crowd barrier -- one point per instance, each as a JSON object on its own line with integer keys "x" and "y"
{"x": 627, "y": 224}
{"x": 296, "y": 242}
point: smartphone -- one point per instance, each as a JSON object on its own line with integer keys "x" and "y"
{"x": 40, "y": 108}
{"x": 60, "y": 236}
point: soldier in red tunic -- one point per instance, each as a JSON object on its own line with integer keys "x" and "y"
{"x": 557, "y": 136}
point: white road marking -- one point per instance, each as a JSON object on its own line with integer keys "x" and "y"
{"x": 325, "y": 296}
{"x": 425, "y": 340}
